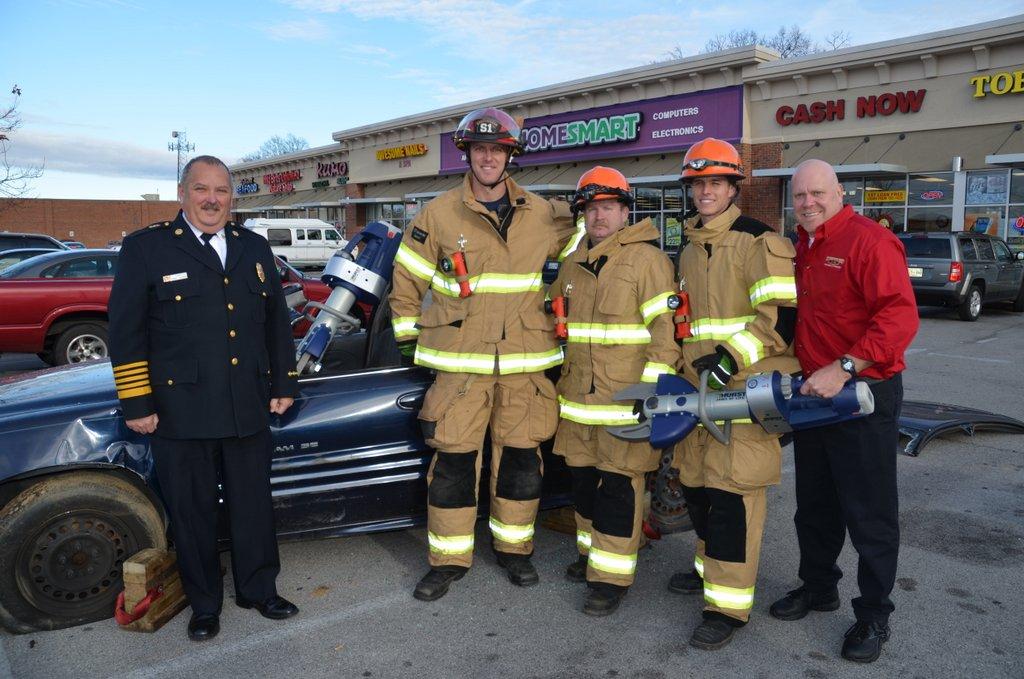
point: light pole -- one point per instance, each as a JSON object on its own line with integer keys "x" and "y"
{"x": 182, "y": 146}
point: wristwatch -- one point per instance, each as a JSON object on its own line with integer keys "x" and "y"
{"x": 847, "y": 364}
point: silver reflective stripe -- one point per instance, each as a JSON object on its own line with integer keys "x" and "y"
{"x": 512, "y": 534}
{"x": 620, "y": 564}
{"x": 450, "y": 544}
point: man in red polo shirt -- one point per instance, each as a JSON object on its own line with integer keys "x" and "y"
{"x": 856, "y": 316}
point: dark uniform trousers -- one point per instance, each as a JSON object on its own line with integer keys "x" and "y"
{"x": 188, "y": 471}
{"x": 205, "y": 347}
{"x": 846, "y": 481}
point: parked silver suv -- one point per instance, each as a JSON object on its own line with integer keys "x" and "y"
{"x": 963, "y": 270}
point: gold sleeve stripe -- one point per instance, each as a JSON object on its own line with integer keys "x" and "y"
{"x": 129, "y": 366}
{"x": 131, "y": 373}
{"x": 132, "y": 393}
{"x": 126, "y": 384}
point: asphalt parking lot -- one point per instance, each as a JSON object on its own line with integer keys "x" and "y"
{"x": 958, "y": 592}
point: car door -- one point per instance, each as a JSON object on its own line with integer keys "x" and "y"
{"x": 1010, "y": 270}
{"x": 317, "y": 250}
{"x": 333, "y": 242}
{"x": 281, "y": 242}
{"x": 986, "y": 267}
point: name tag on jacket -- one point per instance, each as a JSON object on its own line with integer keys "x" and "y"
{"x": 170, "y": 278}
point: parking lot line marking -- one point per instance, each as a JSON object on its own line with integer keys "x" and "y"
{"x": 988, "y": 339}
{"x": 916, "y": 350}
{"x": 205, "y": 658}
{"x": 970, "y": 358}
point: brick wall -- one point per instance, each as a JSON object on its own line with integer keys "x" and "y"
{"x": 93, "y": 222}
{"x": 761, "y": 197}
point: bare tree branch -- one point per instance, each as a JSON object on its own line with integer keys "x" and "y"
{"x": 14, "y": 180}
{"x": 277, "y": 146}
{"x": 788, "y": 42}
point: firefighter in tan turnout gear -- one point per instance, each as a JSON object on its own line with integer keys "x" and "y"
{"x": 480, "y": 249}
{"x": 613, "y": 301}
{"x": 738, "y": 276}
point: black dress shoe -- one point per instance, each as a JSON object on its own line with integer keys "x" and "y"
{"x": 603, "y": 598}
{"x": 519, "y": 569}
{"x": 436, "y": 582}
{"x": 798, "y": 602}
{"x": 685, "y": 582}
{"x": 577, "y": 570}
{"x": 712, "y": 634}
{"x": 275, "y": 608}
{"x": 203, "y": 627}
{"x": 863, "y": 641}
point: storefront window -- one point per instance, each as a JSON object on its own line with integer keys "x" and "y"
{"x": 929, "y": 219}
{"x": 853, "y": 191}
{"x": 935, "y": 188}
{"x": 987, "y": 187}
{"x": 1017, "y": 186}
{"x": 891, "y": 218}
{"x": 647, "y": 200}
{"x": 986, "y": 219}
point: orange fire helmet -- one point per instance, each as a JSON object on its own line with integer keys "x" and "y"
{"x": 712, "y": 158}
{"x": 601, "y": 183}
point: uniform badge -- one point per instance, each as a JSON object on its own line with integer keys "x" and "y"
{"x": 259, "y": 272}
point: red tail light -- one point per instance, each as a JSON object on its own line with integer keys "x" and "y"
{"x": 956, "y": 272}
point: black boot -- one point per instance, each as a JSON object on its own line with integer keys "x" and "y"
{"x": 435, "y": 583}
{"x": 577, "y": 570}
{"x": 715, "y": 631}
{"x": 603, "y": 598}
{"x": 798, "y": 602}
{"x": 863, "y": 641}
{"x": 685, "y": 582}
{"x": 519, "y": 569}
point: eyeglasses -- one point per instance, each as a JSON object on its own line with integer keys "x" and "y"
{"x": 699, "y": 164}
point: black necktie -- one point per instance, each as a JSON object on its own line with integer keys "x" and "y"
{"x": 207, "y": 237}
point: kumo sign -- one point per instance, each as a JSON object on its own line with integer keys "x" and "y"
{"x": 865, "y": 107}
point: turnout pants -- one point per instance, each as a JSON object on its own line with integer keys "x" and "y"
{"x": 846, "y": 481}
{"x": 188, "y": 471}
{"x": 521, "y": 411}
{"x": 724, "y": 488}
{"x": 608, "y": 477}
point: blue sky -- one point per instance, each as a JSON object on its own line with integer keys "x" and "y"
{"x": 105, "y": 81}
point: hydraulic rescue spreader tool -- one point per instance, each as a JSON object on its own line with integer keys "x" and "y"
{"x": 672, "y": 408}
{"x": 363, "y": 278}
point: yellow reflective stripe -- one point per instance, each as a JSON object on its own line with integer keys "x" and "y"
{"x": 450, "y": 544}
{"x": 528, "y": 363}
{"x": 454, "y": 362}
{"x": 129, "y": 366}
{"x": 413, "y": 263}
{"x": 118, "y": 376}
{"x": 698, "y": 565}
{"x": 655, "y": 307}
{"x": 608, "y": 333}
{"x": 773, "y": 287}
{"x": 583, "y": 538}
{"x": 595, "y": 414}
{"x": 729, "y": 597}
{"x": 489, "y": 283}
{"x": 132, "y": 393}
{"x": 510, "y": 533}
{"x": 717, "y": 328}
{"x": 405, "y": 326}
{"x": 142, "y": 381}
{"x": 574, "y": 242}
{"x": 652, "y": 370}
{"x": 621, "y": 564}
{"x": 748, "y": 345}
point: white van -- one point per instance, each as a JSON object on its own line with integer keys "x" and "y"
{"x": 302, "y": 242}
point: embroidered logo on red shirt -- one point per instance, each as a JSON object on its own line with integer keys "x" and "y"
{"x": 835, "y": 262}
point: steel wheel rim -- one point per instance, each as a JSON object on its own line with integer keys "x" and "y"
{"x": 975, "y": 303}
{"x": 73, "y": 564}
{"x": 86, "y": 348}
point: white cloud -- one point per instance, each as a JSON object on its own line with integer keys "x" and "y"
{"x": 306, "y": 29}
{"x": 90, "y": 155}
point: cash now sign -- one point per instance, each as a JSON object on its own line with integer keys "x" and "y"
{"x": 865, "y": 107}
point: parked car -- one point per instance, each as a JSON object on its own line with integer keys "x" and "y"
{"x": 10, "y": 240}
{"x": 55, "y": 304}
{"x": 964, "y": 270}
{"x": 15, "y": 255}
{"x": 78, "y": 493}
{"x": 74, "y": 244}
{"x": 302, "y": 242}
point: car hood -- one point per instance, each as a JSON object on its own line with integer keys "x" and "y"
{"x": 58, "y": 389}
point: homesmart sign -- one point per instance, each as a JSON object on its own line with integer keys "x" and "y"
{"x": 636, "y": 128}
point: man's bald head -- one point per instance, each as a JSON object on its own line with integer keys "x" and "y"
{"x": 817, "y": 194}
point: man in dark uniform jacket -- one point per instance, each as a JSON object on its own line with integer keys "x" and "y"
{"x": 201, "y": 351}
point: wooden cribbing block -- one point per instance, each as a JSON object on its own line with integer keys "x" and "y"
{"x": 145, "y": 570}
{"x": 562, "y": 520}
{"x": 172, "y": 602}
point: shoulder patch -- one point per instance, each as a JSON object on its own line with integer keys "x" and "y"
{"x": 751, "y": 226}
{"x": 418, "y": 234}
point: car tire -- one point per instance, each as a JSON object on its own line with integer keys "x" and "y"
{"x": 970, "y": 308}
{"x": 82, "y": 342}
{"x": 63, "y": 542}
{"x": 1018, "y": 301}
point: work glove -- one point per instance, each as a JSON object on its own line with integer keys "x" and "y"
{"x": 721, "y": 366}
{"x": 407, "y": 350}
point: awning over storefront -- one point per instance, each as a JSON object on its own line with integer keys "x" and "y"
{"x": 1006, "y": 159}
{"x": 433, "y": 187}
{"x": 860, "y": 169}
{"x": 330, "y": 197}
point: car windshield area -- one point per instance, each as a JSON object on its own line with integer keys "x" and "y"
{"x": 927, "y": 248}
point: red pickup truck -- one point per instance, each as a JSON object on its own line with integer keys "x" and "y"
{"x": 64, "y": 320}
